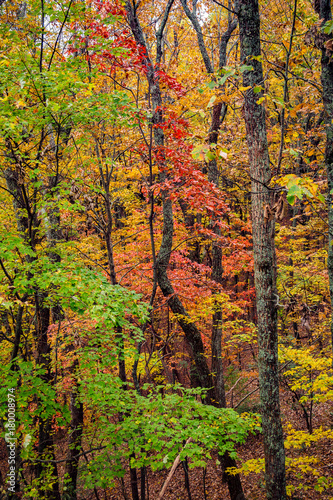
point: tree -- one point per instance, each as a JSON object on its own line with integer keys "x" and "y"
{"x": 263, "y": 250}
{"x": 325, "y": 14}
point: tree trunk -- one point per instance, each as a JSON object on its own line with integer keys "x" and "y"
{"x": 45, "y": 434}
{"x": 27, "y": 223}
{"x": 192, "y": 334}
{"x": 327, "y": 93}
{"x": 75, "y": 438}
{"x": 263, "y": 252}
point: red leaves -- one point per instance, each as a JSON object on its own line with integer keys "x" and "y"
{"x": 106, "y": 7}
{"x": 170, "y": 82}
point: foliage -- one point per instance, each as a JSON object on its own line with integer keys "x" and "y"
{"x": 154, "y": 427}
{"x": 84, "y": 185}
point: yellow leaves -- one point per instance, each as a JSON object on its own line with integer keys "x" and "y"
{"x": 205, "y": 307}
{"x": 250, "y": 466}
{"x": 300, "y": 439}
{"x": 20, "y": 103}
{"x": 297, "y": 467}
{"x": 261, "y": 100}
{"x": 302, "y": 464}
{"x": 304, "y": 358}
{"x": 302, "y": 467}
{"x": 151, "y": 365}
{"x": 4, "y": 62}
{"x": 309, "y": 373}
{"x": 243, "y": 338}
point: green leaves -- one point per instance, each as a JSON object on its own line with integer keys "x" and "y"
{"x": 328, "y": 27}
{"x": 30, "y": 383}
{"x": 298, "y": 187}
{"x": 154, "y": 428}
{"x": 245, "y": 67}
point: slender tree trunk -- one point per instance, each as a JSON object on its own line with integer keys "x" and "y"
{"x": 187, "y": 478}
{"x": 192, "y": 334}
{"x": 327, "y": 83}
{"x": 218, "y": 115}
{"x": 134, "y": 482}
{"x": 75, "y": 439}
{"x": 263, "y": 252}
{"x": 45, "y": 435}
{"x": 27, "y": 224}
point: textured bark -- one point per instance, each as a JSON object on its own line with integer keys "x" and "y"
{"x": 327, "y": 93}
{"x": 264, "y": 254}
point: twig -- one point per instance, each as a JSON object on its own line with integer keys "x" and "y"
{"x": 232, "y": 388}
{"x": 285, "y": 92}
{"x": 75, "y": 458}
{"x": 245, "y": 397}
{"x": 257, "y": 389}
{"x": 172, "y": 471}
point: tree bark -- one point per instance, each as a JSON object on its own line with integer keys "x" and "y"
{"x": 263, "y": 252}
{"x": 75, "y": 437}
{"x": 327, "y": 94}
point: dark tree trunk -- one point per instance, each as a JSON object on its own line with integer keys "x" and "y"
{"x": 263, "y": 252}
{"x": 327, "y": 83}
{"x": 187, "y": 479}
{"x": 27, "y": 225}
{"x": 75, "y": 438}
{"x": 134, "y": 483}
{"x": 45, "y": 435}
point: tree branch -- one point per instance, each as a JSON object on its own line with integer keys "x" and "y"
{"x": 172, "y": 471}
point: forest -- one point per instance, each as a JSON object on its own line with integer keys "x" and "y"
{"x": 166, "y": 258}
